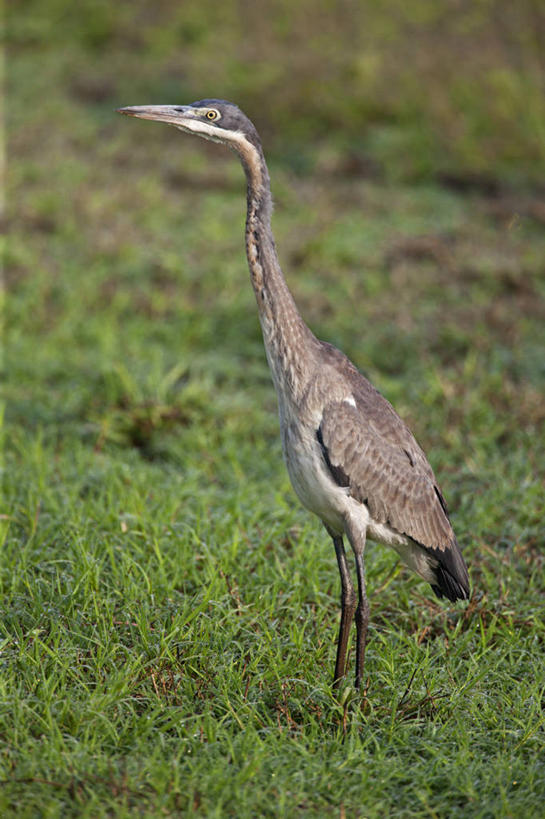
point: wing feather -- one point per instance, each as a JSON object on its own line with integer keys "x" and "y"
{"x": 387, "y": 470}
{"x": 383, "y": 466}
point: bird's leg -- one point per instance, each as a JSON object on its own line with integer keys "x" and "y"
{"x": 362, "y": 617}
{"x": 348, "y": 607}
{"x": 357, "y": 538}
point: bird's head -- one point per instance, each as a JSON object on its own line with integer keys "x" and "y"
{"x": 217, "y": 120}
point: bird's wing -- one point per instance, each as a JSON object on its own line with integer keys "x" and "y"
{"x": 376, "y": 456}
{"x": 369, "y": 450}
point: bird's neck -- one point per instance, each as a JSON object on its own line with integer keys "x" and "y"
{"x": 289, "y": 343}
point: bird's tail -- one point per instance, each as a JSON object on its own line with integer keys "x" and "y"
{"x": 451, "y": 577}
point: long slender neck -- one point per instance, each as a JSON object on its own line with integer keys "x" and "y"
{"x": 290, "y": 345}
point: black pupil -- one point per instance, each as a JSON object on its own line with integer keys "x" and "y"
{"x": 211, "y": 115}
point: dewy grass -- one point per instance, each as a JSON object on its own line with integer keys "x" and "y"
{"x": 169, "y": 612}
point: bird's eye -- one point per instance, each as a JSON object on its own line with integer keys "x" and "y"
{"x": 212, "y": 114}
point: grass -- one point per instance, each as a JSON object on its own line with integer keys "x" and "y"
{"x": 169, "y": 611}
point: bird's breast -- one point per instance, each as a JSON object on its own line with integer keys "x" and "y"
{"x": 310, "y": 477}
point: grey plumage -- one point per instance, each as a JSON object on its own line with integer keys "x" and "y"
{"x": 351, "y": 459}
{"x": 370, "y": 450}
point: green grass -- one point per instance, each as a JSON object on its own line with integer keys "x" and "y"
{"x": 169, "y": 612}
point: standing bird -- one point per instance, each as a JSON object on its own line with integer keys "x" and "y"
{"x": 351, "y": 459}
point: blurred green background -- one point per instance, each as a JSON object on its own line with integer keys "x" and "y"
{"x": 169, "y": 610}
{"x": 408, "y": 90}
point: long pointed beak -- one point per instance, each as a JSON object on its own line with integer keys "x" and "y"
{"x": 175, "y": 114}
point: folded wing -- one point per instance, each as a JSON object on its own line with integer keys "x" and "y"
{"x": 371, "y": 451}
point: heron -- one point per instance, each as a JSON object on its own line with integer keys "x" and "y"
{"x": 352, "y": 461}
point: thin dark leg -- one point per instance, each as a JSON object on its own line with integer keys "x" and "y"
{"x": 362, "y": 618}
{"x": 348, "y": 607}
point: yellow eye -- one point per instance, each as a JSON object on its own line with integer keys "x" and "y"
{"x": 211, "y": 114}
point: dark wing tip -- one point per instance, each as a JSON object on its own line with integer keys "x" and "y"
{"x": 447, "y": 586}
{"x": 452, "y": 580}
